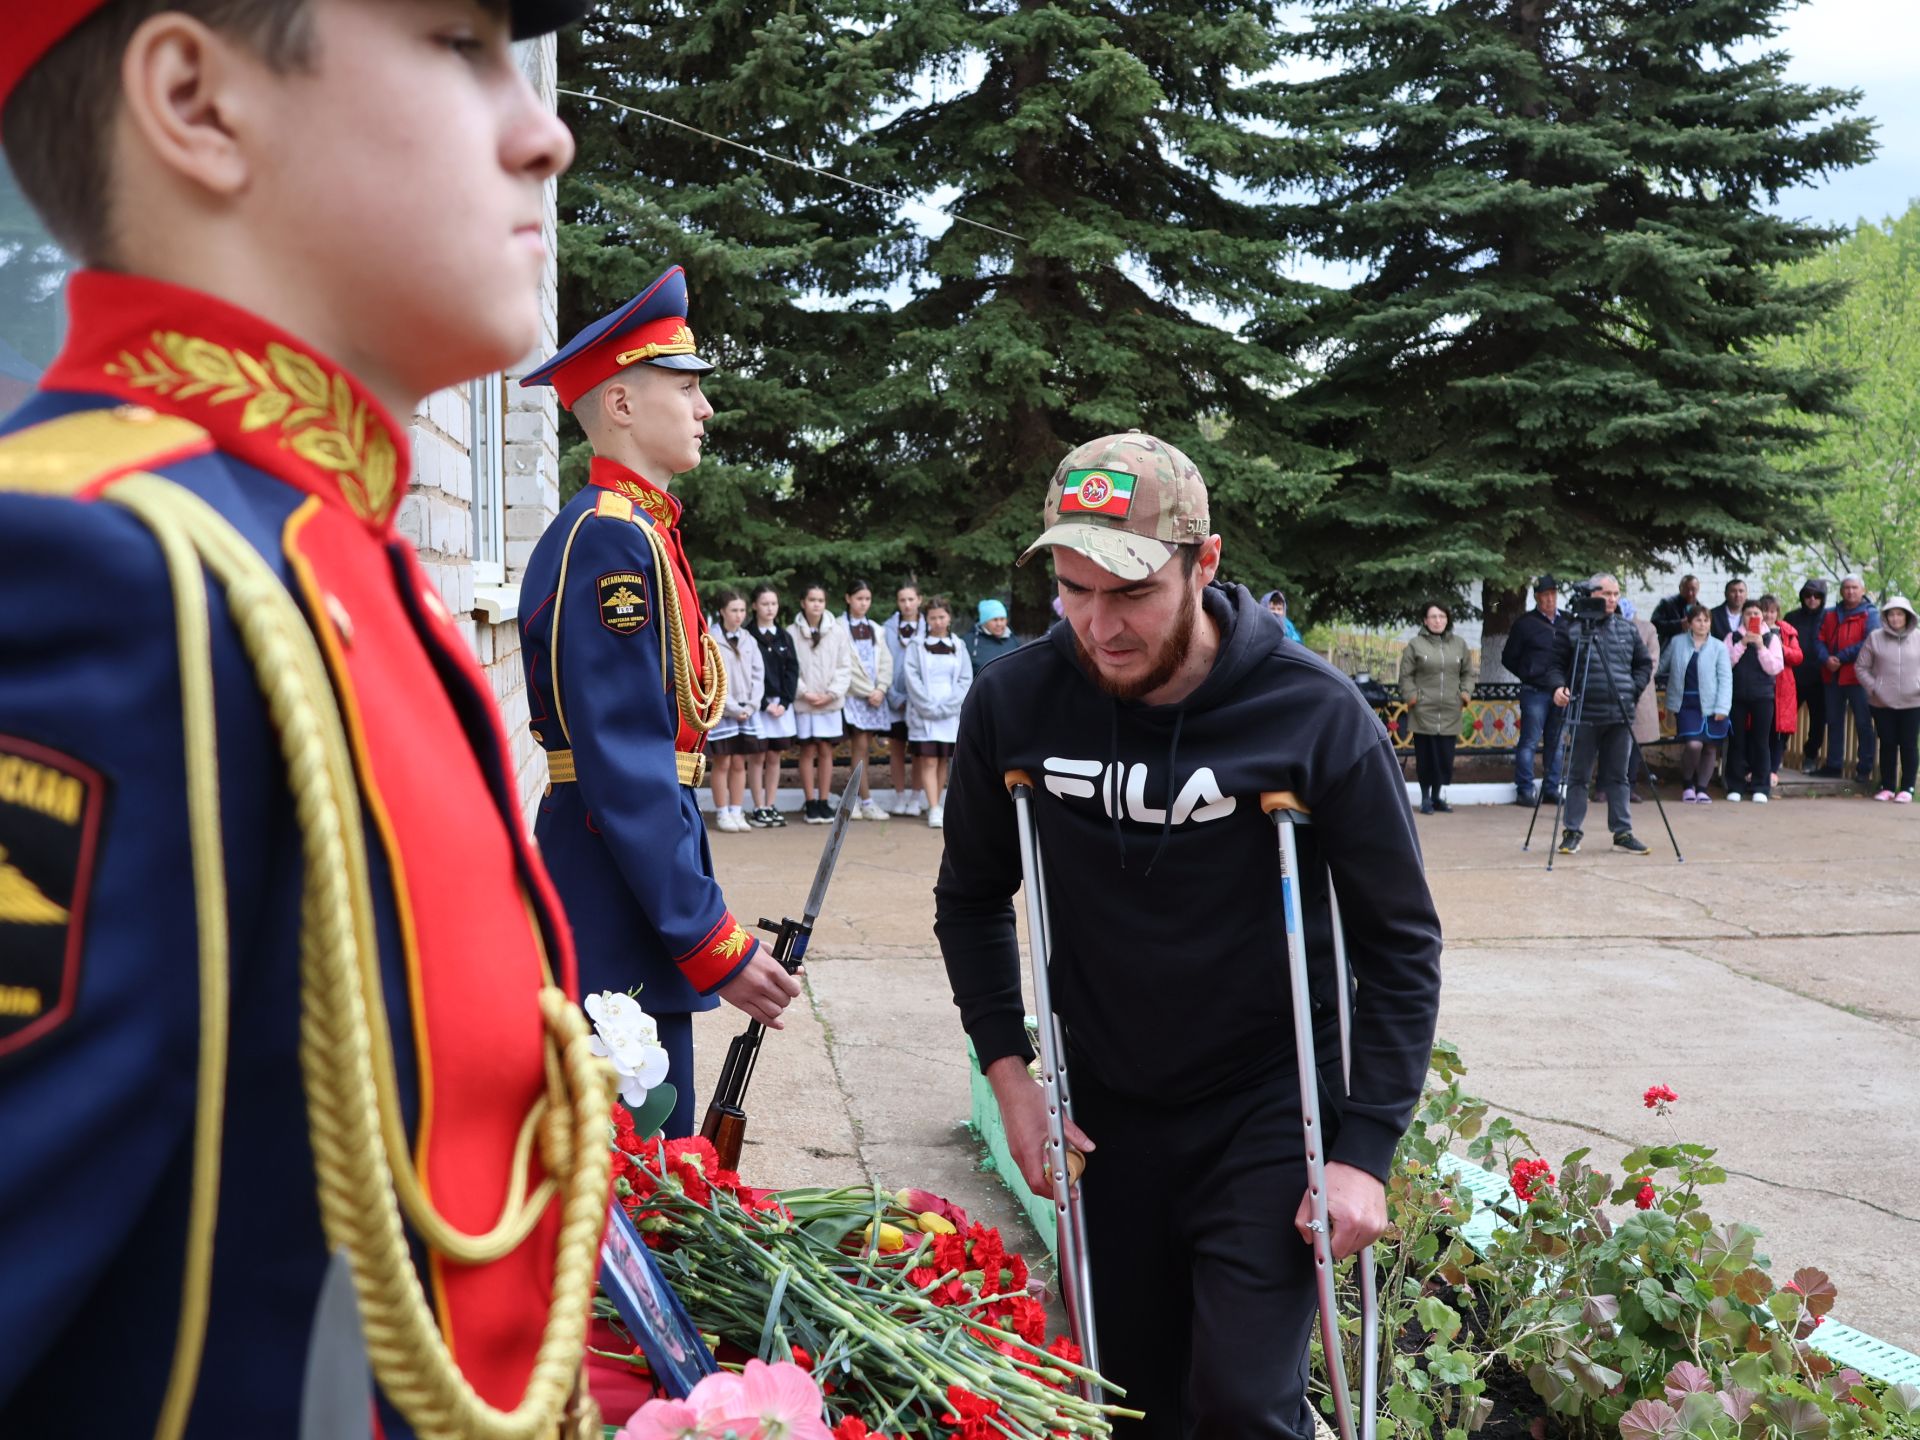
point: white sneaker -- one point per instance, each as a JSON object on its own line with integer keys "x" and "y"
{"x": 870, "y": 810}
{"x": 901, "y": 800}
{"x": 1759, "y": 799}
{"x": 916, "y": 804}
{"x": 937, "y": 817}
{"x": 723, "y": 820}
{"x": 856, "y": 811}
{"x": 1735, "y": 797}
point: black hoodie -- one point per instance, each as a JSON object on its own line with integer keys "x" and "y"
{"x": 1163, "y": 875}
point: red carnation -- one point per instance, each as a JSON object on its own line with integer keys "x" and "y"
{"x": 972, "y": 1413}
{"x": 1658, "y": 1097}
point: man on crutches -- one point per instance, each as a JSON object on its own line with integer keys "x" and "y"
{"x": 1137, "y": 743}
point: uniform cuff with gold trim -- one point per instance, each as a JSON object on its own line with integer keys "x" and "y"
{"x": 718, "y": 958}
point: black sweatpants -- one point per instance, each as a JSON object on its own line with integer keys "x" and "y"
{"x": 1899, "y": 732}
{"x": 1750, "y": 746}
{"x": 1203, "y": 1291}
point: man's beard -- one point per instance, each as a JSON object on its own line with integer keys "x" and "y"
{"x": 1166, "y": 663}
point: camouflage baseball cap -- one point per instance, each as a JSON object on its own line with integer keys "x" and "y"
{"x": 1124, "y": 501}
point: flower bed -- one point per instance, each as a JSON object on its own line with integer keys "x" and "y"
{"x": 1523, "y": 1296}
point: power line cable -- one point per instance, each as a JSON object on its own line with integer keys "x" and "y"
{"x": 897, "y": 197}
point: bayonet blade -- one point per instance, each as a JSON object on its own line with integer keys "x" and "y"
{"x": 830, "y": 857}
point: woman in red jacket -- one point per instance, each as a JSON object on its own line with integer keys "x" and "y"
{"x": 1786, "y": 695}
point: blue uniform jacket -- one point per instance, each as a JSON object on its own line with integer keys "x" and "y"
{"x": 624, "y": 841}
{"x": 101, "y": 1027}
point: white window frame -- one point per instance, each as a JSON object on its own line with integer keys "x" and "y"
{"x": 487, "y": 457}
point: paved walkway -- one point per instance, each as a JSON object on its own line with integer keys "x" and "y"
{"x": 1773, "y": 981}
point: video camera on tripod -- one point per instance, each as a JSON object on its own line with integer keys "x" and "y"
{"x": 1584, "y": 605}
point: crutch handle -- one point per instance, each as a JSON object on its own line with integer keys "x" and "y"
{"x": 1272, "y": 800}
{"x": 1017, "y": 778}
{"x": 1076, "y": 1165}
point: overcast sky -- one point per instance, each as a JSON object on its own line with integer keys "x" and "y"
{"x": 1871, "y": 45}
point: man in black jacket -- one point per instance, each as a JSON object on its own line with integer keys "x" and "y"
{"x": 1670, "y": 615}
{"x": 1151, "y": 723}
{"x": 1726, "y": 618}
{"x": 1612, "y": 670}
{"x": 1529, "y": 657}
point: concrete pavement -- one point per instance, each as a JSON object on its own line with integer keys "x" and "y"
{"x": 1773, "y": 980}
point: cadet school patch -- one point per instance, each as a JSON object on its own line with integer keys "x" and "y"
{"x": 49, "y": 823}
{"x": 623, "y": 601}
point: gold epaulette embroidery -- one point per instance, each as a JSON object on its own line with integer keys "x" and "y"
{"x": 64, "y": 456}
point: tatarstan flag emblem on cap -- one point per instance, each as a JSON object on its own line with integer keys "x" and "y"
{"x": 1097, "y": 492}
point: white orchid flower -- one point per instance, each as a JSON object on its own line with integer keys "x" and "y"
{"x": 627, "y": 1037}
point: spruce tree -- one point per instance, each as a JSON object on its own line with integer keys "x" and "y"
{"x": 1559, "y": 352}
{"x": 1132, "y": 157}
{"x": 777, "y": 257}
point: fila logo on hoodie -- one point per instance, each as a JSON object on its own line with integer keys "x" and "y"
{"x": 1122, "y": 790}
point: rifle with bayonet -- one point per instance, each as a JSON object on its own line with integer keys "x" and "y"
{"x": 726, "y": 1120}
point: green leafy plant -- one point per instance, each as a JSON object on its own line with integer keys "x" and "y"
{"x": 1627, "y": 1308}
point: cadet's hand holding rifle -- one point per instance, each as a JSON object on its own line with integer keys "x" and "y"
{"x": 763, "y": 989}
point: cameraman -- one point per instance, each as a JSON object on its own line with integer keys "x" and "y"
{"x": 1615, "y": 669}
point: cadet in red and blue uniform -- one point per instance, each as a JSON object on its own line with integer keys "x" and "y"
{"x": 281, "y": 975}
{"x": 623, "y": 684}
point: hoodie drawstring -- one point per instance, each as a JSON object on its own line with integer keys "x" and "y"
{"x": 1166, "y": 822}
{"x": 1115, "y": 780}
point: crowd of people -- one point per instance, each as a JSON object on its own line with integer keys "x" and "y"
{"x": 828, "y": 678}
{"x": 1736, "y": 678}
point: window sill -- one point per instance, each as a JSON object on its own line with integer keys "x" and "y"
{"x": 497, "y": 604}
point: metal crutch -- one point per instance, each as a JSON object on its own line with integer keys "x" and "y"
{"x": 1064, "y": 1165}
{"x": 1287, "y": 812}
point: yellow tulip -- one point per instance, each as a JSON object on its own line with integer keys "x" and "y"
{"x": 892, "y": 1238}
{"x": 935, "y": 1224}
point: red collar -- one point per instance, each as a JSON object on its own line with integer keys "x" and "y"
{"x": 612, "y": 475}
{"x": 264, "y": 396}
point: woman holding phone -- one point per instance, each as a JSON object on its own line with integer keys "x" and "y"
{"x": 1756, "y": 655}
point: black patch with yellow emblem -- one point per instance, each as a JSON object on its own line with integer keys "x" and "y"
{"x": 49, "y": 836}
{"x": 623, "y": 601}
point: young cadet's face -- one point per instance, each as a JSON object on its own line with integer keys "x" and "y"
{"x": 668, "y": 417}
{"x": 859, "y": 603}
{"x": 403, "y": 172}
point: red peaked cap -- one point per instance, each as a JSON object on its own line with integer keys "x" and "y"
{"x": 34, "y": 27}
{"x": 650, "y": 329}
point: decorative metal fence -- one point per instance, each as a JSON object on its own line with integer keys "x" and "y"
{"x": 1490, "y": 725}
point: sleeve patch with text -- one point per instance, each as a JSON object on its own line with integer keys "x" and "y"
{"x": 623, "y": 601}
{"x": 49, "y": 824}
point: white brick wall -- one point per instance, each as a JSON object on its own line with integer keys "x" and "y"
{"x": 437, "y": 514}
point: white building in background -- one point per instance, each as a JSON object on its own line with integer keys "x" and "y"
{"x": 485, "y": 483}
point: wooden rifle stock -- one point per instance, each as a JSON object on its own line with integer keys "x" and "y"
{"x": 725, "y": 1125}
{"x": 726, "y": 1128}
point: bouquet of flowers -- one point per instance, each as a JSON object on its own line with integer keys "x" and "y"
{"x": 913, "y": 1321}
